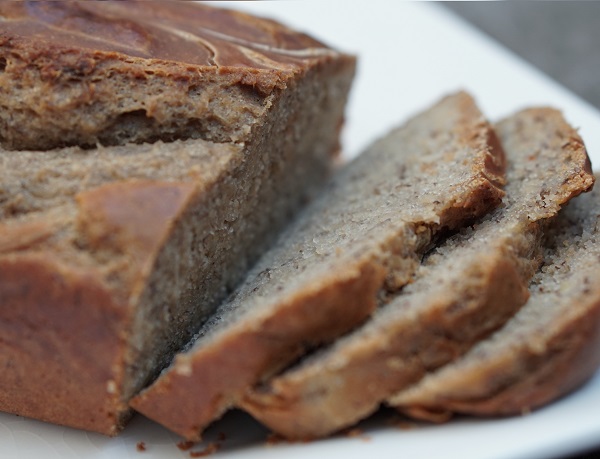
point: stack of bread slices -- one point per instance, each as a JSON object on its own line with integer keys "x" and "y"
{"x": 148, "y": 258}
{"x": 505, "y": 307}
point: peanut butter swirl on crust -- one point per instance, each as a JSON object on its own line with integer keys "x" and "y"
{"x": 149, "y": 153}
{"x": 118, "y": 72}
{"x": 193, "y": 34}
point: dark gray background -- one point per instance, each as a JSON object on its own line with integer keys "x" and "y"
{"x": 560, "y": 38}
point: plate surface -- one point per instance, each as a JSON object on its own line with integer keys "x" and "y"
{"x": 410, "y": 55}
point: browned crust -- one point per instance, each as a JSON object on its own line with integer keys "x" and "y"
{"x": 63, "y": 329}
{"x": 137, "y": 30}
{"x": 483, "y": 190}
{"x": 494, "y": 163}
{"x": 93, "y": 54}
{"x": 60, "y": 341}
{"x": 232, "y": 363}
{"x": 528, "y": 380}
{"x": 23, "y": 235}
{"x": 254, "y": 51}
{"x": 479, "y": 197}
{"x": 132, "y": 217}
{"x": 339, "y": 395}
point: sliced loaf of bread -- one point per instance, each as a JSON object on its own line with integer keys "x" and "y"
{"x": 549, "y": 348}
{"x": 362, "y": 237}
{"x": 467, "y": 288}
{"x": 150, "y": 152}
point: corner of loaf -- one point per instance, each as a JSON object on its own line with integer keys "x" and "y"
{"x": 198, "y": 72}
{"x": 150, "y": 152}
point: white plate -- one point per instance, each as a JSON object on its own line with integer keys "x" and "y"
{"x": 410, "y": 55}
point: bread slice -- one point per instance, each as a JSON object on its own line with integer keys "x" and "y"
{"x": 548, "y": 349}
{"x": 467, "y": 288}
{"x": 113, "y": 251}
{"x": 362, "y": 237}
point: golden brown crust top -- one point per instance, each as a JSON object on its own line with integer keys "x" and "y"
{"x": 171, "y": 31}
{"x": 133, "y": 216}
{"x": 112, "y": 73}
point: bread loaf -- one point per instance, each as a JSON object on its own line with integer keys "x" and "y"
{"x": 150, "y": 151}
{"x": 467, "y": 288}
{"x": 364, "y": 236}
{"x": 548, "y": 349}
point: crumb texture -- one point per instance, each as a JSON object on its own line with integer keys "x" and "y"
{"x": 465, "y": 289}
{"x": 363, "y": 236}
{"x": 548, "y": 348}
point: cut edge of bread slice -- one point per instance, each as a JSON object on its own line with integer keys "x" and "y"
{"x": 549, "y": 348}
{"x": 363, "y": 236}
{"x": 469, "y": 287}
